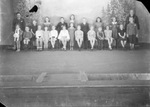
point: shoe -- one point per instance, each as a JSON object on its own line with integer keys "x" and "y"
{"x": 18, "y": 50}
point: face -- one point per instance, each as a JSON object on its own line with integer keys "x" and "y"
{"x": 53, "y": 27}
{"x": 72, "y": 17}
{"x": 47, "y": 19}
{"x": 79, "y": 27}
{"x": 34, "y": 22}
{"x": 18, "y": 16}
{"x": 107, "y": 27}
{"x": 114, "y": 19}
{"x": 71, "y": 25}
{"x": 131, "y": 12}
{"x": 121, "y": 26}
{"x": 62, "y": 20}
{"x": 91, "y": 27}
{"x": 17, "y": 26}
{"x": 100, "y": 29}
{"x": 27, "y": 29}
{"x": 98, "y": 19}
{"x": 46, "y": 28}
{"x": 131, "y": 20}
{"x": 39, "y": 27}
{"x": 84, "y": 20}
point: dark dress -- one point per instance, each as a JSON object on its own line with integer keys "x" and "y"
{"x": 33, "y": 39}
{"x": 85, "y": 28}
{"x": 122, "y": 34}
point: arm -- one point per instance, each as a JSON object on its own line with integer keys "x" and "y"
{"x": 127, "y": 30}
{"x": 137, "y": 22}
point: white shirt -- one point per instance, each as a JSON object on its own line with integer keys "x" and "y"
{"x": 53, "y": 34}
{"x": 39, "y": 34}
{"x": 64, "y": 34}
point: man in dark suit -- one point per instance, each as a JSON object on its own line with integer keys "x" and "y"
{"x": 85, "y": 28}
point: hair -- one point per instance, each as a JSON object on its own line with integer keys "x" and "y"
{"x": 99, "y": 18}
{"x": 115, "y": 18}
{"x": 18, "y": 13}
{"x": 73, "y": 16}
{"x": 48, "y": 19}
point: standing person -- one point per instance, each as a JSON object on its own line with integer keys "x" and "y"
{"x": 114, "y": 25}
{"x": 98, "y": 24}
{"x": 46, "y": 37}
{"x": 122, "y": 36}
{"x": 85, "y": 29}
{"x": 92, "y": 37}
{"x": 72, "y": 20}
{"x": 17, "y": 38}
{"x": 59, "y": 28}
{"x": 27, "y": 35}
{"x": 47, "y": 23}
{"x": 132, "y": 32}
{"x": 39, "y": 38}
{"x": 19, "y": 21}
{"x": 71, "y": 30}
{"x": 108, "y": 36}
{"x": 100, "y": 38}
{"x": 64, "y": 37}
{"x": 135, "y": 18}
{"x": 33, "y": 31}
{"x": 79, "y": 36}
{"x": 53, "y": 36}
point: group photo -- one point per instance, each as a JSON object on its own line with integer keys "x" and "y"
{"x": 74, "y": 53}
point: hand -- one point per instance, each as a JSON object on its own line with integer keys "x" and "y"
{"x": 127, "y": 35}
{"x": 137, "y": 35}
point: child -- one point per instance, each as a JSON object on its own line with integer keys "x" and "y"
{"x": 64, "y": 37}
{"x": 71, "y": 33}
{"x": 53, "y": 36}
{"x": 39, "y": 38}
{"x": 122, "y": 35}
{"x": 33, "y": 30}
{"x": 114, "y": 25}
{"x": 46, "y": 37}
{"x": 108, "y": 37}
{"x": 79, "y": 36}
{"x": 72, "y": 20}
{"x": 132, "y": 32}
{"x": 100, "y": 37}
{"x": 47, "y": 23}
{"x": 92, "y": 36}
{"x": 27, "y": 35}
{"x": 17, "y": 38}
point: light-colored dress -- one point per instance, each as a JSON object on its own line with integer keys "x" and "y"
{"x": 46, "y": 38}
{"x": 91, "y": 35}
{"x": 79, "y": 35}
{"x": 64, "y": 35}
{"x": 53, "y": 34}
{"x": 108, "y": 34}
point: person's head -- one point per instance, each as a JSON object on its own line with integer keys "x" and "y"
{"x": 84, "y": 20}
{"x": 98, "y": 19}
{"x": 62, "y": 20}
{"x": 100, "y": 29}
{"x": 34, "y": 22}
{"x": 47, "y": 19}
{"x": 71, "y": 25}
{"x": 114, "y": 19}
{"x": 27, "y": 28}
{"x": 39, "y": 27}
{"x": 64, "y": 28}
{"x": 131, "y": 20}
{"x": 72, "y": 17}
{"x": 107, "y": 27}
{"x": 121, "y": 26}
{"x": 46, "y": 28}
{"x": 53, "y": 27}
{"x": 91, "y": 27}
{"x": 79, "y": 27}
{"x": 17, "y": 27}
{"x": 131, "y": 12}
{"x": 18, "y": 15}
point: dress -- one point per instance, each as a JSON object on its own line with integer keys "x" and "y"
{"x": 78, "y": 35}
{"x": 91, "y": 35}
{"x": 64, "y": 35}
{"x": 97, "y": 25}
{"x": 122, "y": 32}
{"x": 108, "y": 34}
{"x": 34, "y": 29}
{"x": 46, "y": 38}
{"x": 48, "y": 25}
{"x": 114, "y": 30}
{"x": 72, "y": 34}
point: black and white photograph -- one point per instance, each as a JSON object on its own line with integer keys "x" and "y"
{"x": 74, "y": 53}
